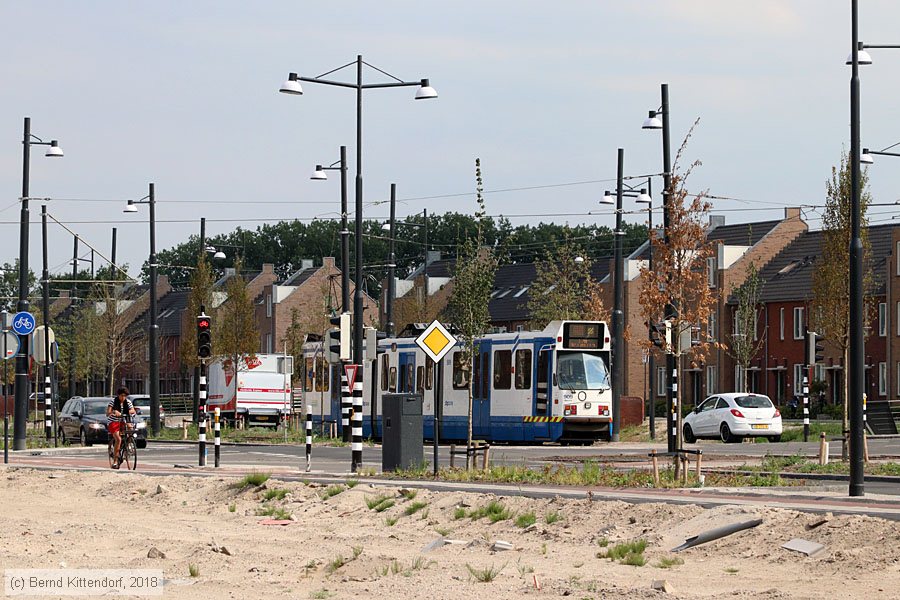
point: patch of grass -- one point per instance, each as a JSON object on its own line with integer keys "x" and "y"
{"x": 391, "y": 521}
{"x": 232, "y": 507}
{"x": 372, "y": 502}
{"x": 442, "y": 531}
{"x": 252, "y": 479}
{"x": 194, "y": 570}
{"x": 459, "y": 513}
{"x": 793, "y": 434}
{"x": 336, "y": 563}
{"x": 552, "y": 517}
{"x": 494, "y": 511}
{"x": 274, "y": 512}
{"x": 320, "y": 595}
{"x": 275, "y": 494}
{"x": 142, "y": 491}
{"x": 357, "y": 550}
{"x": 524, "y": 569}
{"x": 526, "y": 519}
{"x": 544, "y": 548}
{"x": 667, "y": 562}
{"x": 603, "y": 542}
{"x": 485, "y": 575}
{"x": 731, "y": 570}
{"x": 414, "y": 508}
{"x": 351, "y": 483}
{"x": 332, "y": 490}
{"x": 627, "y": 553}
{"x": 409, "y": 494}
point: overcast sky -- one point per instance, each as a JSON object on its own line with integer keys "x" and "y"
{"x": 184, "y": 94}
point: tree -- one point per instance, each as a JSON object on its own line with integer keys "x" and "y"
{"x": 830, "y": 316}
{"x": 294, "y": 338}
{"x": 200, "y": 296}
{"x": 236, "y": 335}
{"x": 472, "y": 287}
{"x": 745, "y": 342}
{"x": 679, "y": 275}
{"x": 562, "y": 284}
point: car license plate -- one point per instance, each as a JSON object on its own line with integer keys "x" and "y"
{"x": 759, "y": 426}
{"x": 263, "y": 418}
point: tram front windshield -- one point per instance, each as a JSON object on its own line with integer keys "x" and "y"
{"x": 581, "y": 371}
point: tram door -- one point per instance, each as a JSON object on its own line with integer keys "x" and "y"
{"x": 407, "y": 368}
{"x": 481, "y": 390}
{"x": 335, "y": 371}
{"x": 543, "y": 395}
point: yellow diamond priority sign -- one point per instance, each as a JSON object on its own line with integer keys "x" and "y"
{"x": 436, "y": 341}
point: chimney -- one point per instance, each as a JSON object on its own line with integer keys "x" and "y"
{"x": 716, "y": 221}
{"x": 791, "y": 212}
{"x": 306, "y": 263}
{"x": 327, "y": 262}
{"x": 268, "y": 268}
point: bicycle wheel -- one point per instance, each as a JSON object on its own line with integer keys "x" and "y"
{"x": 130, "y": 453}
{"x": 112, "y": 451}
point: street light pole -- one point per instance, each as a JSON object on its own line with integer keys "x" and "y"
{"x": 856, "y": 345}
{"x": 152, "y": 326}
{"x": 618, "y": 354}
{"x": 392, "y": 260}
{"x": 20, "y": 422}
{"x": 319, "y": 174}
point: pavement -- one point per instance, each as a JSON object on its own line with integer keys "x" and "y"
{"x": 332, "y": 463}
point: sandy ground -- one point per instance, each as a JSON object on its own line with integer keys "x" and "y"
{"x": 63, "y": 519}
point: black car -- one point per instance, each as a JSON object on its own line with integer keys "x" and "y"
{"x": 84, "y": 420}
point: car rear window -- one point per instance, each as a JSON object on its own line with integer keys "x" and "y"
{"x": 753, "y": 402}
{"x": 95, "y": 408}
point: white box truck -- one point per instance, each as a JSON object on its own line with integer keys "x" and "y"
{"x": 258, "y": 391}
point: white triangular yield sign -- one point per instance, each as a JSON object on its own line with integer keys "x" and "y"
{"x": 350, "y": 371}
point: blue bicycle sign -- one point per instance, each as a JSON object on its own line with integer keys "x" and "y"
{"x": 23, "y": 323}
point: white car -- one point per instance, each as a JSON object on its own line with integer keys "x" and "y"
{"x": 733, "y": 416}
{"x": 142, "y": 406}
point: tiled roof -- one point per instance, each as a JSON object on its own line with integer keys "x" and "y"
{"x": 170, "y": 310}
{"x": 789, "y": 276}
{"x": 742, "y": 234}
{"x": 300, "y": 276}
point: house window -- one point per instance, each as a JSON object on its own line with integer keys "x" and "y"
{"x": 712, "y": 326}
{"x": 819, "y": 372}
{"x": 882, "y": 379}
{"x": 712, "y": 376}
{"x": 882, "y": 319}
{"x": 798, "y": 379}
{"x": 781, "y": 322}
{"x": 711, "y": 271}
{"x": 460, "y": 372}
{"x": 798, "y": 322}
{"x": 523, "y": 369}
{"x": 502, "y": 370}
{"x": 269, "y": 306}
{"x": 661, "y": 381}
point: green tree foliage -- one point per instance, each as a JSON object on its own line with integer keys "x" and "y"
{"x": 830, "y": 316}
{"x": 286, "y": 243}
{"x": 235, "y": 334}
{"x": 562, "y": 284}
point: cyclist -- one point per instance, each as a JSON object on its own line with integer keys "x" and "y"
{"x": 116, "y": 408}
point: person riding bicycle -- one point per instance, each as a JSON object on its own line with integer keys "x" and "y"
{"x": 116, "y": 408}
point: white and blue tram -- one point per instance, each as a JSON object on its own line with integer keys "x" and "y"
{"x": 529, "y": 386}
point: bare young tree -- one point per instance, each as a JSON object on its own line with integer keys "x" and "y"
{"x": 745, "y": 341}
{"x": 472, "y": 287}
{"x": 236, "y": 336}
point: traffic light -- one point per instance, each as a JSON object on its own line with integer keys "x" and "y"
{"x": 339, "y": 338}
{"x": 371, "y": 343}
{"x": 204, "y": 336}
{"x": 656, "y": 335}
{"x": 815, "y": 348}
{"x": 818, "y": 348}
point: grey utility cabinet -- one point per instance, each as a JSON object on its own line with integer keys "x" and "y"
{"x": 402, "y": 431}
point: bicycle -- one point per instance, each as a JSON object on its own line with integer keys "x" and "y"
{"x": 128, "y": 447}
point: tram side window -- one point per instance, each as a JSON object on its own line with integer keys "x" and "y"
{"x": 485, "y": 382}
{"x": 308, "y": 375}
{"x": 321, "y": 375}
{"x": 392, "y": 386}
{"x": 523, "y": 369}
{"x": 384, "y": 372}
{"x": 420, "y": 379}
{"x": 476, "y": 375}
{"x": 429, "y": 374}
{"x": 460, "y": 373}
{"x": 502, "y": 369}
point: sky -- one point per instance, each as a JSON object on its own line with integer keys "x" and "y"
{"x": 185, "y": 95}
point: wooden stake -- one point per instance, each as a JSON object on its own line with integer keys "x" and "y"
{"x": 655, "y": 469}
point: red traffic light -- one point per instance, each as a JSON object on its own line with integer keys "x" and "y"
{"x": 203, "y": 324}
